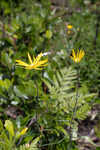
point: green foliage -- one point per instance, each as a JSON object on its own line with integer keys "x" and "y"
{"x": 62, "y": 101}
{"x": 22, "y": 32}
{"x": 96, "y": 128}
{"x": 8, "y": 140}
{"x": 61, "y": 90}
{"x": 48, "y": 96}
{"x": 86, "y": 24}
{"x": 32, "y": 146}
{"x": 63, "y": 95}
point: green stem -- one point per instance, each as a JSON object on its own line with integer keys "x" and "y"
{"x": 74, "y": 109}
{"x": 37, "y": 97}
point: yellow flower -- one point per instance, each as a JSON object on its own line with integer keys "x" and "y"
{"x": 76, "y": 57}
{"x": 19, "y": 134}
{"x": 69, "y": 26}
{"x": 69, "y": 32}
{"x": 36, "y": 63}
{"x": 23, "y": 131}
{"x": 48, "y": 34}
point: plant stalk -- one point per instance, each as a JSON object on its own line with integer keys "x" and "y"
{"x": 74, "y": 109}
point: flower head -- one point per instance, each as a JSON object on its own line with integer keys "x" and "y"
{"x": 48, "y": 34}
{"x": 23, "y": 131}
{"x": 36, "y": 63}
{"x": 76, "y": 57}
{"x": 69, "y": 32}
{"x": 19, "y": 134}
{"x": 69, "y": 26}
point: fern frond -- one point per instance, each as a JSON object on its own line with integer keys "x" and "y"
{"x": 63, "y": 94}
{"x": 81, "y": 112}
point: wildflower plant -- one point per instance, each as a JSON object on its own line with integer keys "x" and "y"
{"x": 54, "y": 104}
{"x": 76, "y": 57}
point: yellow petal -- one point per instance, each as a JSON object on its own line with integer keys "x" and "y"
{"x": 73, "y": 53}
{"x": 19, "y": 134}
{"x": 21, "y": 63}
{"x": 39, "y": 56}
{"x": 34, "y": 59}
{"x": 23, "y": 131}
{"x": 42, "y": 61}
{"x": 29, "y": 57}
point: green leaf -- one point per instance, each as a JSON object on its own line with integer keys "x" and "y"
{"x": 9, "y": 127}
{"x": 1, "y": 126}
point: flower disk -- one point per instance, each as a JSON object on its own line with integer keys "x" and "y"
{"x": 36, "y": 63}
{"x": 76, "y": 57}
